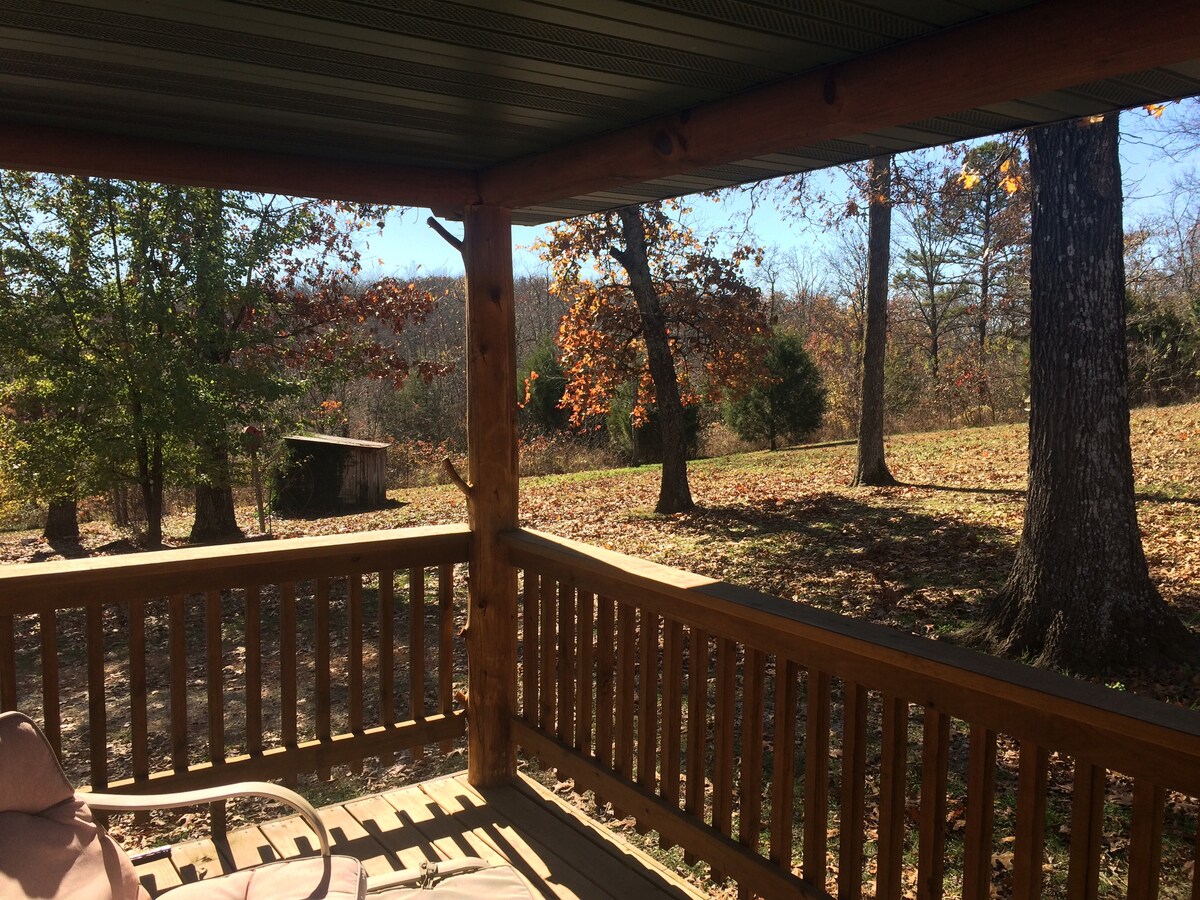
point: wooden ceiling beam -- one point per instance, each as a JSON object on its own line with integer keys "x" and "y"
{"x": 1051, "y": 45}
{"x": 65, "y": 151}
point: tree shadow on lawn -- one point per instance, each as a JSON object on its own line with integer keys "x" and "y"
{"x": 882, "y": 561}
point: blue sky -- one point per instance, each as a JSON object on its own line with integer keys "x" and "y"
{"x": 408, "y": 247}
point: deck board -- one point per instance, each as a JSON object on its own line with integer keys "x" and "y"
{"x": 560, "y": 854}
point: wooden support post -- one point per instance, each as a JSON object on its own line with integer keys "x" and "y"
{"x": 492, "y": 508}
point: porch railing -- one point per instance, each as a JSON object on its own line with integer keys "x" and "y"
{"x": 180, "y": 669}
{"x": 800, "y": 752}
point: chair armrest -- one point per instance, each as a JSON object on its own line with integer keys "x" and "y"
{"x": 137, "y": 802}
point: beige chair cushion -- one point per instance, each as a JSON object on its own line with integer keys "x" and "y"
{"x": 492, "y": 883}
{"x": 314, "y": 878}
{"x": 50, "y": 846}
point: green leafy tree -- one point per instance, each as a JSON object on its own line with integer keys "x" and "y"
{"x": 543, "y": 383}
{"x": 184, "y": 314}
{"x": 789, "y": 403}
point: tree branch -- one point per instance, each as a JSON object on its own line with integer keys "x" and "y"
{"x": 450, "y": 239}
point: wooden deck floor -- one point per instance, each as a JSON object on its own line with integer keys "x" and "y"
{"x": 562, "y": 854}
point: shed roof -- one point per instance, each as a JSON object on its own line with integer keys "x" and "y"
{"x": 553, "y": 107}
{"x": 338, "y": 441}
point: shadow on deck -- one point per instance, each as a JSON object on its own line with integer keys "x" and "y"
{"x": 560, "y": 853}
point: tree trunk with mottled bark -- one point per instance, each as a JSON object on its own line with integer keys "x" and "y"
{"x": 872, "y": 468}
{"x": 1079, "y": 595}
{"x": 215, "y": 520}
{"x": 674, "y": 495}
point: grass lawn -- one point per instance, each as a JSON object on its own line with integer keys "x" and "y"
{"x": 920, "y": 557}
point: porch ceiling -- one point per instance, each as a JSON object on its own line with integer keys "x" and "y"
{"x": 555, "y": 108}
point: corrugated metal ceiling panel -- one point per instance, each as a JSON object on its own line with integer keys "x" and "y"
{"x": 471, "y": 84}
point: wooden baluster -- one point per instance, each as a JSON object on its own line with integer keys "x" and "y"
{"x": 854, "y": 765}
{"x": 323, "y": 665}
{"x": 647, "y": 703}
{"x": 1087, "y": 831}
{"x": 416, "y": 652}
{"x": 723, "y": 741}
{"x": 626, "y": 665}
{"x": 697, "y": 727}
{"x": 584, "y": 678}
{"x": 354, "y": 622}
{"x": 1196, "y": 865}
{"x": 605, "y": 673}
{"x": 215, "y": 676}
{"x": 287, "y": 671}
{"x": 672, "y": 718}
{"x": 97, "y": 715}
{"x": 51, "y": 713}
{"x": 935, "y": 764}
{"x": 8, "y": 665}
{"x": 1145, "y": 840}
{"x": 138, "y": 728}
{"x": 783, "y": 771}
{"x": 177, "y": 642}
{"x": 547, "y": 681}
{"x": 981, "y": 799}
{"x": 566, "y": 663}
{"x": 387, "y": 655}
{"x": 446, "y": 645}
{"x": 1029, "y": 850}
{"x": 893, "y": 772}
{"x": 816, "y": 779}
{"x": 753, "y": 721}
{"x": 529, "y": 648}
{"x": 254, "y": 722}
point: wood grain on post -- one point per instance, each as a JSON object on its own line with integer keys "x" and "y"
{"x": 492, "y": 463}
{"x": 624, "y": 695}
{"x": 138, "y": 728}
{"x": 1145, "y": 840}
{"x": 723, "y": 742}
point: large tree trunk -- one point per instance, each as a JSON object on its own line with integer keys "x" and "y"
{"x": 674, "y": 493}
{"x": 150, "y": 480}
{"x": 872, "y": 468}
{"x": 1079, "y": 595}
{"x": 215, "y": 520}
{"x": 62, "y": 521}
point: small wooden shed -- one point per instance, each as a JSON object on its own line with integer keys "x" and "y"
{"x": 323, "y": 472}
